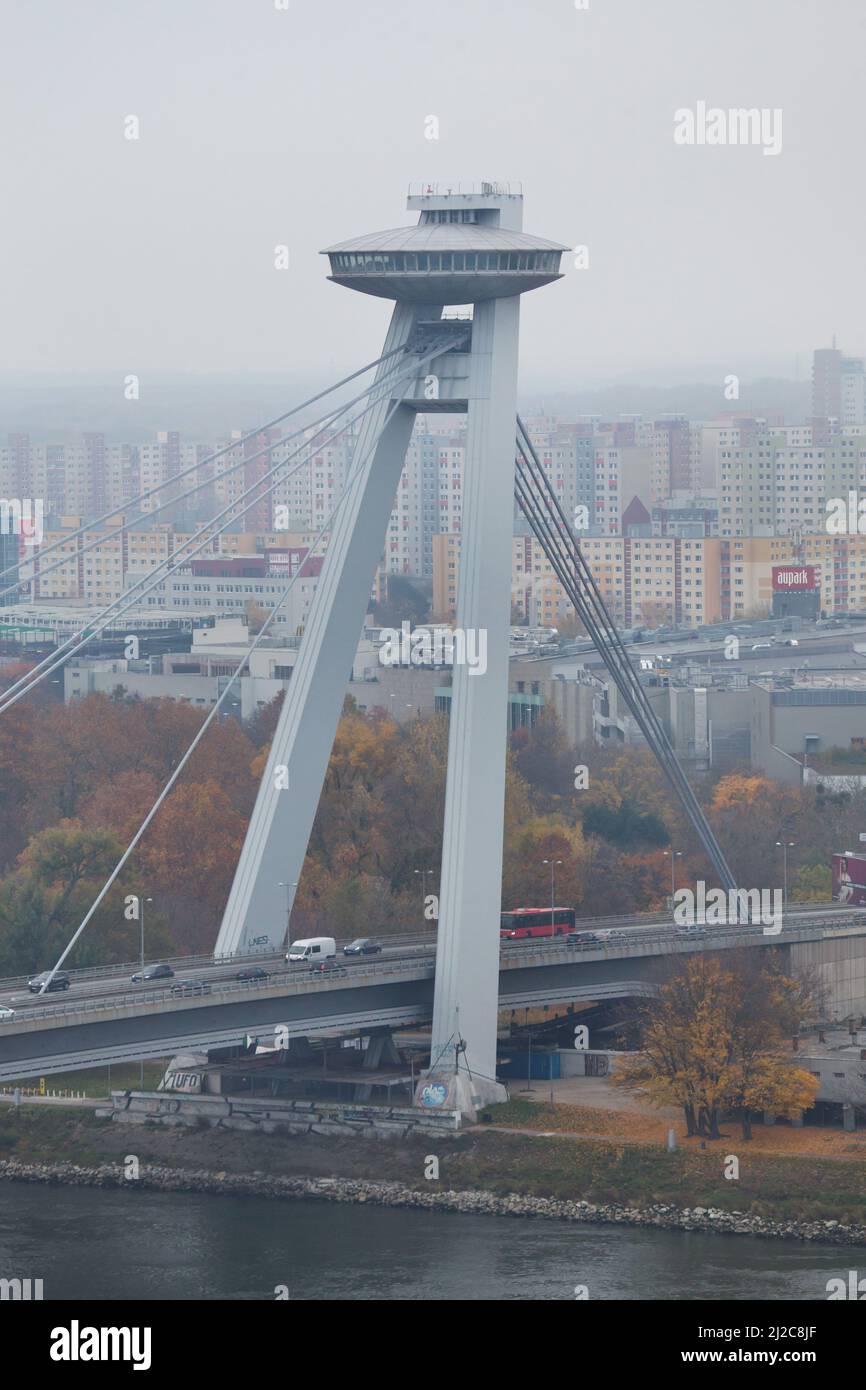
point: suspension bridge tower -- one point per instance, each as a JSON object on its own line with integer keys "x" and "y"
{"x": 467, "y": 249}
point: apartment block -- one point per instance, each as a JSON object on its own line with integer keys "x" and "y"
{"x": 771, "y": 487}
{"x": 652, "y": 580}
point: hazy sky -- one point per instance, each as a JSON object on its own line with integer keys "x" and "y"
{"x": 260, "y": 127}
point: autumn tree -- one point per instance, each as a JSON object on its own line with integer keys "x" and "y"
{"x": 17, "y": 728}
{"x": 527, "y": 878}
{"x": 260, "y": 729}
{"x": 120, "y": 803}
{"x": 812, "y": 883}
{"x": 649, "y": 878}
{"x": 224, "y": 757}
{"x": 770, "y": 1010}
{"x": 750, "y": 813}
{"x": 404, "y": 603}
{"x": 80, "y": 746}
{"x": 55, "y": 882}
{"x": 189, "y": 855}
{"x": 626, "y": 826}
{"x": 717, "y": 1039}
{"x": 687, "y": 1044}
{"x": 255, "y": 615}
{"x": 543, "y": 757}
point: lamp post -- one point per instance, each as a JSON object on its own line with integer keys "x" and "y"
{"x": 143, "y": 901}
{"x": 552, "y": 863}
{"x": 674, "y": 855}
{"x": 423, "y": 873}
{"x": 784, "y": 846}
{"x": 290, "y": 894}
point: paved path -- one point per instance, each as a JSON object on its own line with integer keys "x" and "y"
{"x": 594, "y": 1092}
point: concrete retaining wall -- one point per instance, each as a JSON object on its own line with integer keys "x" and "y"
{"x": 839, "y": 964}
{"x": 277, "y": 1117}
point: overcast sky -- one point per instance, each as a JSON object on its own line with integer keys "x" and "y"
{"x": 260, "y": 127}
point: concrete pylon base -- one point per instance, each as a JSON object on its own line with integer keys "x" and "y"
{"x": 458, "y": 1091}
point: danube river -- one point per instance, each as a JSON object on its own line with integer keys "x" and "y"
{"x": 88, "y": 1243}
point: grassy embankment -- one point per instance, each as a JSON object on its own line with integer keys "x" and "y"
{"x": 782, "y": 1186}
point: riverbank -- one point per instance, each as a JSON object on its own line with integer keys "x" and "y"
{"x": 395, "y": 1194}
{"x": 551, "y": 1176}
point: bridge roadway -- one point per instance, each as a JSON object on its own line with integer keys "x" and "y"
{"x": 105, "y": 1021}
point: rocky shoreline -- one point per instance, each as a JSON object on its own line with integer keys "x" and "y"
{"x": 394, "y": 1194}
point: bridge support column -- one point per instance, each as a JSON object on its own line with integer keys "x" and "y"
{"x": 463, "y": 1055}
{"x": 380, "y": 1051}
{"x": 282, "y": 819}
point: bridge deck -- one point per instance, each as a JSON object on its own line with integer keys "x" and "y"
{"x": 59, "y": 1036}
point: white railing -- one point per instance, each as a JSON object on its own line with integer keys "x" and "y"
{"x": 466, "y": 190}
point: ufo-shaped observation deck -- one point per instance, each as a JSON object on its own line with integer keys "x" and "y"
{"x": 445, "y": 263}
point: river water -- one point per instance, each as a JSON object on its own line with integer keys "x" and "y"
{"x": 89, "y": 1243}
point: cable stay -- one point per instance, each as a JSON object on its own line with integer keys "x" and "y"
{"x": 543, "y": 511}
{"x": 132, "y": 596}
{"x": 355, "y": 472}
{"x": 192, "y": 468}
{"x": 172, "y": 563}
{"x": 125, "y": 526}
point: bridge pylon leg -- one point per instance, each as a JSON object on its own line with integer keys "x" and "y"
{"x": 463, "y": 1056}
{"x": 276, "y": 842}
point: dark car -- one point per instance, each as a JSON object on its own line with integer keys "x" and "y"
{"x": 153, "y": 972}
{"x": 253, "y": 972}
{"x": 581, "y": 938}
{"x": 185, "y": 988}
{"x": 59, "y": 981}
{"x": 363, "y": 946}
{"x": 327, "y": 967}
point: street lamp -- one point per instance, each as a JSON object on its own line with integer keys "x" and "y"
{"x": 553, "y": 863}
{"x": 290, "y": 893}
{"x": 784, "y": 846}
{"x": 674, "y": 854}
{"x": 423, "y": 873}
{"x": 143, "y": 901}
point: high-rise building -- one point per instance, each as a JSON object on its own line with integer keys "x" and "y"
{"x": 675, "y": 458}
{"x": 838, "y": 387}
{"x": 428, "y": 501}
{"x": 771, "y": 487}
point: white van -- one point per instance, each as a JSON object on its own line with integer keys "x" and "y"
{"x": 312, "y": 949}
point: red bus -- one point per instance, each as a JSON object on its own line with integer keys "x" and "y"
{"x": 535, "y": 921}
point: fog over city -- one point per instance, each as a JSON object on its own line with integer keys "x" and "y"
{"x": 433, "y": 718}
{"x": 261, "y": 127}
